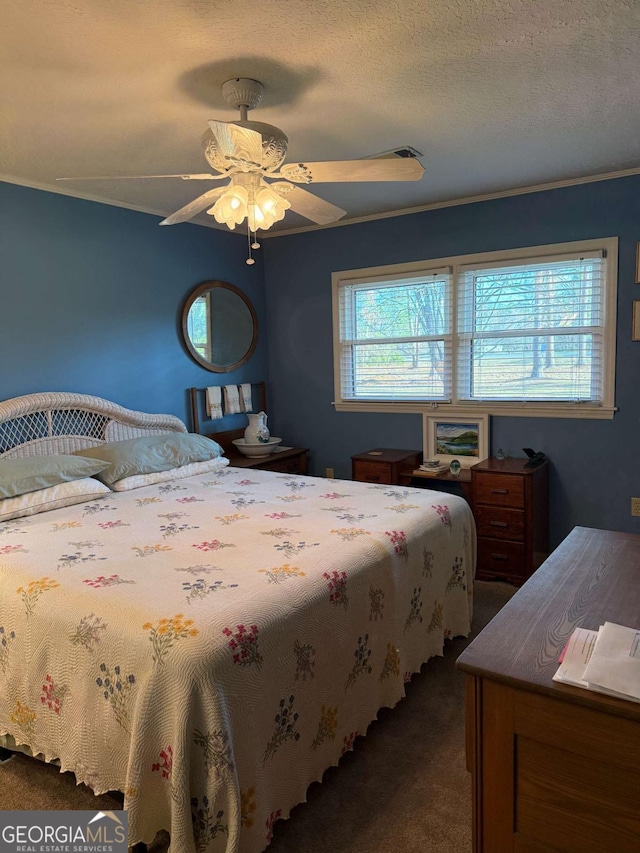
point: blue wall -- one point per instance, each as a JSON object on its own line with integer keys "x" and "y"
{"x": 91, "y": 298}
{"x": 595, "y": 464}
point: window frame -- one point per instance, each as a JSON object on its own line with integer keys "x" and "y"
{"x": 563, "y": 409}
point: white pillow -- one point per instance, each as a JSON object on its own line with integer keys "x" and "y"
{"x": 42, "y": 500}
{"x": 190, "y": 470}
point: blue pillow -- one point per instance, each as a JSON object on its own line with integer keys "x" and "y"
{"x": 152, "y": 453}
{"x": 19, "y": 476}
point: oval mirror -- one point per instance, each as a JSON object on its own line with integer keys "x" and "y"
{"x": 219, "y": 326}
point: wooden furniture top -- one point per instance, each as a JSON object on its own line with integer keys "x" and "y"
{"x": 384, "y": 454}
{"x": 252, "y": 461}
{"x": 463, "y": 477}
{"x": 509, "y": 465}
{"x": 591, "y": 578}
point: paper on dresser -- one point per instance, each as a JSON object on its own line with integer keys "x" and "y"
{"x": 576, "y": 657}
{"x": 614, "y": 666}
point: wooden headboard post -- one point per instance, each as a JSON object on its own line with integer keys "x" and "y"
{"x": 193, "y": 404}
{"x": 224, "y": 438}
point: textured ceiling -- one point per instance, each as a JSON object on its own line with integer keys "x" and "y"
{"x": 496, "y": 94}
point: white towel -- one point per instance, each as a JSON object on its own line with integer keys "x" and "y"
{"x": 231, "y": 400}
{"x": 246, "y": 397}
{"x": 213, "y": 401}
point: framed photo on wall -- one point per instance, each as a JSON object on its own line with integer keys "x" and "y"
{"x": 447, "y": 437}
{"x": 635, "y": 327}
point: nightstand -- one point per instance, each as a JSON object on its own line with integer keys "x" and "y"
{"x": 511, "y": 510}
{"x": 384, "y": 465}
{"x": 293, "y": 460}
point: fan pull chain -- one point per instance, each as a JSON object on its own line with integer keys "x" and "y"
{"x": 249, "y": 260}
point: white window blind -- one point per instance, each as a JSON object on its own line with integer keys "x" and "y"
{"x": 395, "y": 337}
{"x": 532, "y": 331}
{"x": 520, "y": 332}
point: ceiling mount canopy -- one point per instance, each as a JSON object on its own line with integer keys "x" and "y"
{"x": 260, "y": 187}
{"x": 242, "y": 92}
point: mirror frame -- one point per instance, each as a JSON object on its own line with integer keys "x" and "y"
{"x": 203, "y": 288}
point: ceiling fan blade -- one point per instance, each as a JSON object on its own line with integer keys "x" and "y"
{"x": 193, "y": 207}
{"x": 311, "y": 207}
{"x": 203, "y": 177}
{"x": 339, "y": 171}
{"x": 238, "y": 143}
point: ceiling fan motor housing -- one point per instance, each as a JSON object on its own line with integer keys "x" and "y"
{"x": 244, "y": 94}
{"x": 274, "y": 146}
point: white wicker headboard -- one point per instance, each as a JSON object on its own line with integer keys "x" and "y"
{"x": 58, "y": 422}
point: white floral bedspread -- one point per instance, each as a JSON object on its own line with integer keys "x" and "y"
{"x": 210, "y": 646}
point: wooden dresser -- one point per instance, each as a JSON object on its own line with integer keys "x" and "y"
{"x": 511, "y": 509}
{"x": 555, "y": 769}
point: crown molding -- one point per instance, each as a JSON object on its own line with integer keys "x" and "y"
{"x": 372, "y": 217}
{"x": 437, "y": 205}
{"x": 58, "y": 189}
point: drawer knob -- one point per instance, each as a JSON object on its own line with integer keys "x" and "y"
{"x": 498, "y": 523}
{"x": 499, "y": 556}
{"x": 499, "y": 491}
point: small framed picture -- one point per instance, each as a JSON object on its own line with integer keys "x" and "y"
{"x": 447, "y": 437}
{"x": 635, "y": 327}
{"x": 637, "y": 263}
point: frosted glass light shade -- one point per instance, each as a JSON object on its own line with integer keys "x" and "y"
{"x": 231, "y": 208}
{"x": 249, "y": 197}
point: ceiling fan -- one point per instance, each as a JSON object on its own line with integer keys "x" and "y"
{"x": 261, "y": 187}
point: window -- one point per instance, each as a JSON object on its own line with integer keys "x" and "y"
{"x": 530, "y": 331}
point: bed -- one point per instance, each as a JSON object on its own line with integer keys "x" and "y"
{"x": 209, "y": 644}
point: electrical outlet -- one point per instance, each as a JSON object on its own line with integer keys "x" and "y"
{"x": 635, "y": 506}
{"x": 328, "y": 473}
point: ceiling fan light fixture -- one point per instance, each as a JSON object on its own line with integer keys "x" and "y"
{"x": 249, "y": 197}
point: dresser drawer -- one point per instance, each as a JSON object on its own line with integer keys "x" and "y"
{"x": 293, "y": 465}
{"x": 501, "y": 559}
{"x": 500, "y": 523}
{"x": 372, "y": 472}
{"x": 500, "y": 490}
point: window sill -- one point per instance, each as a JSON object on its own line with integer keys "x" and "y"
{"x": 519, "y": 410}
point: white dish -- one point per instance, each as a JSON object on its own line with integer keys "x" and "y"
{"x": 256, "y": 450}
